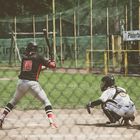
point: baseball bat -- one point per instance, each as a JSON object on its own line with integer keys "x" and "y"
{"x": 48, "y": 44}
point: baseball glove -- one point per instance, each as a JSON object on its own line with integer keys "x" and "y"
{"x": 88, "y": 106}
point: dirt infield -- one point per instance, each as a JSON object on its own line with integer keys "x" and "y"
{"x": 72, "y": 125}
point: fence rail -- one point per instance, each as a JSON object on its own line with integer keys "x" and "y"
{"x": 106, "y": 62}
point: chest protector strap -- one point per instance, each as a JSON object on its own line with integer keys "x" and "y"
{"x": 117, "y": 92}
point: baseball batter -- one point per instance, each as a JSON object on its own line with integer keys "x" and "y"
{"x": 31, "y": 66}
{"x": 115, "y": 102}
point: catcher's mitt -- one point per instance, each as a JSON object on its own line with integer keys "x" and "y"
{"x": 88, "y": 108}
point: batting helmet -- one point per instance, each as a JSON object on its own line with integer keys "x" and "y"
{"x": 31, "y": 47}
{"x": 107, "y": 81}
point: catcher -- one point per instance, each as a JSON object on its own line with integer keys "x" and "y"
{"x": 115, "y": 102}
{"x": 28, "y": 81}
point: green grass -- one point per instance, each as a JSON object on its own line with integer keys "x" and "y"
{"x": 65, "y": 90}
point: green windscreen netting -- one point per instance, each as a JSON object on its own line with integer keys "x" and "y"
{"x": 83, "y": 43}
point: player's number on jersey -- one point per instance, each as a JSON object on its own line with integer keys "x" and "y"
{"x": 27, "y": 65}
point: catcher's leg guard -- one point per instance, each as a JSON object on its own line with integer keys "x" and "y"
{"x": 112, "y": 116}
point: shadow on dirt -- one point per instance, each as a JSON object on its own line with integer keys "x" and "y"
{"x": 112, "y": 125}
{"x": 9, "y": 128}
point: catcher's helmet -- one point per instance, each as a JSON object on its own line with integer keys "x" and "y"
{"x": 31, "y": 47}
{"x": 107, "y": 81}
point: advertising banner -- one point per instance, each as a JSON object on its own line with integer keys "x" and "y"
{"x": 131, "y": 35}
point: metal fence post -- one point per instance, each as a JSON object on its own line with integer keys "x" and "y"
{"x": 105, "y": 63}
{"x": 125, "y": 63}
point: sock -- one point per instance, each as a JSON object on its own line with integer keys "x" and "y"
{"x": 7, "y": 109}
{"x": 48, "y": 109}
{"x": 51, "y": 117}
{"x": 49, "y": 113}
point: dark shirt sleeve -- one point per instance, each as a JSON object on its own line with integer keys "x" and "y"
{"x": 96, "y": 103}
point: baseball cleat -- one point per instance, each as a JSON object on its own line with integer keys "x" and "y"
{"x": 112, "y": 123}
{"x": 127, "y": 123}
{"x": 53, "y": 125}
{"x": 51, "y": 116}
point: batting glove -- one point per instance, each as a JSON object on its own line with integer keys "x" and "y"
{"x": 51, "y": 120}
{"x": 51, "y": 64}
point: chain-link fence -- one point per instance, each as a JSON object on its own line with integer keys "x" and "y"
{"x": 86, "y": 46}
{"x": 69, "y": 91}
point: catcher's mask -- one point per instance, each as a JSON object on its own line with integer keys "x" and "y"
{"x": 107, "y": 81}
{"x": 31, "y": 47}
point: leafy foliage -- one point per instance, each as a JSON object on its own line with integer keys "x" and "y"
{"x": 37, "y": 7}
